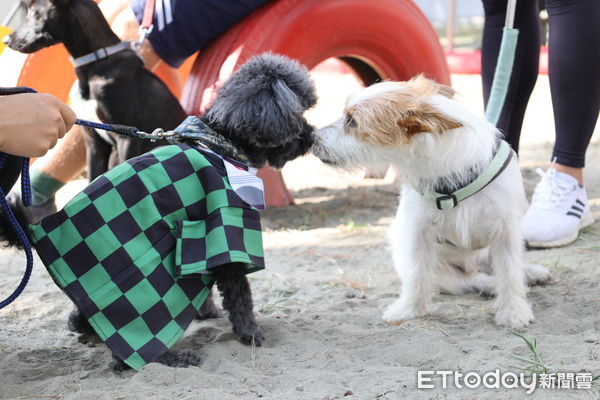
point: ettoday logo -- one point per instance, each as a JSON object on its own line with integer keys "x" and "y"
{"x": 507, "y": 380}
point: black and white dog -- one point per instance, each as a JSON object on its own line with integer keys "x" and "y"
{"x": 260, "y": 110}
{"x": 110, "y": 74}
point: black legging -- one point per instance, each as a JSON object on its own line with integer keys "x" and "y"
{"x": 574, "y": 70}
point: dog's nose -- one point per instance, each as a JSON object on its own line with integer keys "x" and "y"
{"x": 6, "y": 39}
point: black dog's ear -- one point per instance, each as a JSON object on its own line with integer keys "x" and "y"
{"x": 280, "y": 114}
{"x": 262, "y": 104}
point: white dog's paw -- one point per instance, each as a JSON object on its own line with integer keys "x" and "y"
{"x": 536, "y": 274}
{"x": 515, "y": 313}
{"x": 401, "y": 310}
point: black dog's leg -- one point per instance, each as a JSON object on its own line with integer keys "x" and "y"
{"x": 98, "y": 153}
{"x": 179, "y": 359}
{"x": 78, "y": 324}
{"x": 209, "y": 309}
{"x": 118, "y": 365}
{"x": 237, "y": 300}
{"x": 171, "y": 358}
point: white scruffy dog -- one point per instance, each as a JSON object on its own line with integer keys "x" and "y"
{"x": 438, "y": 146}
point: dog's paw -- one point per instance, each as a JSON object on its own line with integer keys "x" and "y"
{"x": 179, "y": 359}
{"x": 209, "y": 310}
{"x": 400, "y": 310}
{"x": 252, "y": 336}
{"x": 118, "y": 365}
{"x": 537, "y": 274}
{"x": 78, "y": 324}
{"x": 516, "y": 313}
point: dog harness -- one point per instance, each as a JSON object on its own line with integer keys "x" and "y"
{"x": 135, "y": 249}
{"x": 450, "y": 200}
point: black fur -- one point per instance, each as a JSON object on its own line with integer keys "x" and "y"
{"x": 209, "y": 309}
{"x": 126, "y": 93}
{"x": 172, "y": 358}
{"x": 11, "y": 169}
{"x": 261, "y": 108}
{"x": 237, "y": 300}
{"x": 7, "y": 233}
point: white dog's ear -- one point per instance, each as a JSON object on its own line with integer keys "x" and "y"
{"x": 420, "y": 115}
{"x": 396, "y": 111}
{"x": 425, "y": 118}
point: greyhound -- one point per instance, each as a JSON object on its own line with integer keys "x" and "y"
{"x": 110, "y": 73}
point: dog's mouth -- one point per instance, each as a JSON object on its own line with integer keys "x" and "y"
{"x": 322, "y": 154}
{"x": 23, "y": 45}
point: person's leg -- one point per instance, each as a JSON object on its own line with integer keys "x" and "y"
{"x": 525, "y": 68}
{"x": 50, "y": 173}
{"x": 574, "y": 72}
{"x": 559, "y": 207}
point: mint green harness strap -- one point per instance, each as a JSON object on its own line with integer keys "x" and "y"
{"x": 497, "y": 165}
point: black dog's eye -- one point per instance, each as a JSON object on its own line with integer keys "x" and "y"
{"x": 350, "y": 122}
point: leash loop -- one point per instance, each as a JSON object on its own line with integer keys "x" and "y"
{"x": 146, "y": 26}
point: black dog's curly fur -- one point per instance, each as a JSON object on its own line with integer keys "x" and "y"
{"x": 260, "y": 109}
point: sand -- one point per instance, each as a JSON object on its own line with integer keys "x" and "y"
{"x": 319, "y": 302}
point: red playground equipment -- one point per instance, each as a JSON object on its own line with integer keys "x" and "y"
{"x": 377, "y": 40}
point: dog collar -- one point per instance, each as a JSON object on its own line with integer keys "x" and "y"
{"x": 448, "y": 201}
{"x": 100, "y": 54}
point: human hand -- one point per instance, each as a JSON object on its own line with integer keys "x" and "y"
{"x": 31, "y": 123}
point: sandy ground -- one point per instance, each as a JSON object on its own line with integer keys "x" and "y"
{"x": 320, "y": 300}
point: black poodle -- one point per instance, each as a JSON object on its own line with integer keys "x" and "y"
{"x": 255, "y": 119}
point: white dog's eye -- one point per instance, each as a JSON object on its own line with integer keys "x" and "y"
{"x": 350, "y": 122}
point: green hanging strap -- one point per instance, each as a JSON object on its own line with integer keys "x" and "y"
{"x": 504, "y": 66}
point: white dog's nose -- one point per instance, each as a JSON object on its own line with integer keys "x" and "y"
{"x": 5, "y": 40}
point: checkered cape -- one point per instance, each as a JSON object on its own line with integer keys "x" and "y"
{"x": 135, "y": 249}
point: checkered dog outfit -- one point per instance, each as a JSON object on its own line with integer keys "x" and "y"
{"x": 135, "y": 249}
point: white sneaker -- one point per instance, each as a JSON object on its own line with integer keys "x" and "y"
{"x": 559, "y": 209}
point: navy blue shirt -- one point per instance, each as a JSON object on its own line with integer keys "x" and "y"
{"x": 182, "y": 27}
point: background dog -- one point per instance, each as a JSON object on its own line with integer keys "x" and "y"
{"x": 438, "y": 145}
{"x": 121, "y": 89}
{"x": 260, "y": 110}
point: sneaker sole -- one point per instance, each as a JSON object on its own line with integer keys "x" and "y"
{"x": 586, "y": 220}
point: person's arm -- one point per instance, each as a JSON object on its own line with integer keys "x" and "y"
{"x": 30, "y": 124}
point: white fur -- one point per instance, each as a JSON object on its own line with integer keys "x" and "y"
{"x": 484, "y": 229}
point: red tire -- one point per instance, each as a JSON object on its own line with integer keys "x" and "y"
{"x": 383, "y": 39}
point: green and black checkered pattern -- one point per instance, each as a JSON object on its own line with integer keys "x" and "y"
{"x": 135, "y": 249}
